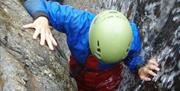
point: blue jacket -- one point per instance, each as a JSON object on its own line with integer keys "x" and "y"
{"x": 75, "y": 24}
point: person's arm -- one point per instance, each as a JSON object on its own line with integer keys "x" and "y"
{"x": 59, "y": 16}
{"x": 36, "y": 8}
{"x": 135, "y": 62}
{"x": 63, "y": 18}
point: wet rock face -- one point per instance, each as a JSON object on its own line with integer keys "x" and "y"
{"x": 24, "y": 64}
{"x": 158, "y": 22}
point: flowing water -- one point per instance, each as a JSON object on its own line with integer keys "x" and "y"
{"x": 159, "y": 24}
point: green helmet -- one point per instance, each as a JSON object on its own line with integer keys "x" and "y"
{"x": 110, "y": 36}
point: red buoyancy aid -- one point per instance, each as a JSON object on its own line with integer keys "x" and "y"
{"x": 90, "y": 78}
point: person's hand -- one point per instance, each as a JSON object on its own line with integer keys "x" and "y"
{"x": 42, "y": 28}
{"x": 148, "y": 70}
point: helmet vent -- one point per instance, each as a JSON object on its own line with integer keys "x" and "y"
{"x": 98, "y": 43}
{"x": 98, "y": 49}
{"x": 113, "y": 12}
{"x": 110, "y": 16}
{"x": 127, "y": 50}
{"x": 98, "y": 55}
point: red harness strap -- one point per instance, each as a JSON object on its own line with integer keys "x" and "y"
{"x": 89, "y": 78}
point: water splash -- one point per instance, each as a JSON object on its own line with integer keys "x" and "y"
{"x": 158, "y": 21}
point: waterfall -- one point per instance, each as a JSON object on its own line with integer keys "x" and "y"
{"x": 158, "y": 22}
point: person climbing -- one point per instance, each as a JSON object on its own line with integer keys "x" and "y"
{"x": 99, "y": 44}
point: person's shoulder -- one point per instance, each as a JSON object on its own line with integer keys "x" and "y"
{"x": 133, "y": 26}
{"x": 136, "y": 41}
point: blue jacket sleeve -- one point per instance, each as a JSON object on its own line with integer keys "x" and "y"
{"x": 64, "y": 18}
{"x": 35, "y": 8}
{"x": 134, "y": 60}
{"x": 73, "y": 22}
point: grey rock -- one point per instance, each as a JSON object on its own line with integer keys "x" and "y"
{"x": 24, "y": 64}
